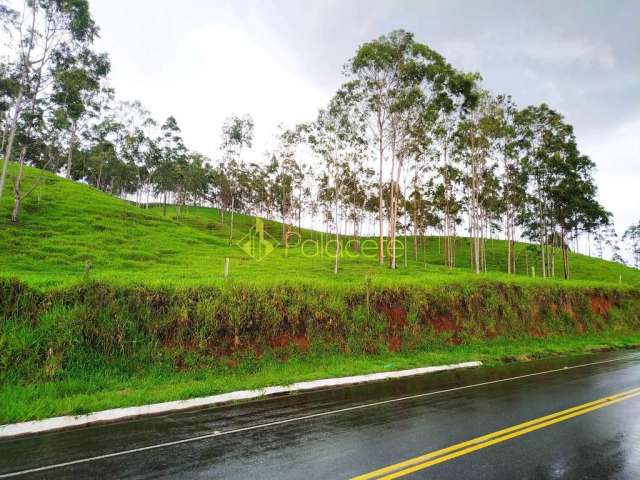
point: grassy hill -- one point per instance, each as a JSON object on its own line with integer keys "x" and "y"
{"x": 65, "y": 226}
{"x": 154, "y": 320}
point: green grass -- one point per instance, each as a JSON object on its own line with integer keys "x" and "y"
{"x": 154, "y": 319}
{"x": 116, "y": 387}
{"x": 64, "y": 225}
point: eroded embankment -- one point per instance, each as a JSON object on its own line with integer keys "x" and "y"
{"x": 45, "y": 334}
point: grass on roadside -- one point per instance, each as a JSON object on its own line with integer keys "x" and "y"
{"x": 111, "y": 386}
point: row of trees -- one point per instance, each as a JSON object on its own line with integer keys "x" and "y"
{"x": 407, "y": 145}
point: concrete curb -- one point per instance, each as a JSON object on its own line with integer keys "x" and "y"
{"x": 117, "y": 414}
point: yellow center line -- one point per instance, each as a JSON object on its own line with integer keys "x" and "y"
{"x": 433, "y": 458}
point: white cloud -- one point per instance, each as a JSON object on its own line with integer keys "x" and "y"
{"x": 462, "y": 54}
{"x": 235, "y": 73}
{"x": 616, "y": 152}
{"x": 213, "y": 71}
{"x": 571, "y": 50}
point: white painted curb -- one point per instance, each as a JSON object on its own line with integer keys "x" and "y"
{"x": 66, "y": 422}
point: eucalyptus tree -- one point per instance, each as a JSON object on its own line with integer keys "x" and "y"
{"x": 8, "y": 91}
{"x": 605, "y": 237}
{"x": 306, "y": 186}
{"x": 562, "y": 201}
{"x": 337, "y": 137}
{"x": 41, "y": 143}
{"x": 541, "y": 135}
{"x": 447, "y": 201}
{"x": 219, "y": 191}
{"x": 258, "y": 187}
{"x": 237, "y": 133}
{"x": 358, "y": 182}
{"x": 376, "y": 66}
{"x": 423, "y": 213}
{"x": 575, "y": 207}
{"x": 194, "y": 176}
{"x": 449, "y": 177}
{"x": 447, "y": 96}
{"x": 421, "y": 155}
{"x": 513, "y": 178}
{"x": 169, "y": 152}
{"x": 405, "y": 85}
{"x": 288, "y": 177}
{"x": 476, "y": 149}
{"x": 134, "y": 142}
{"x": 100, "y": 158}
{"x": 473, "y": 149}
{"x": 632, "y": 235}
{"x": 44, "y": 30}
{"x": 76, "y": 84}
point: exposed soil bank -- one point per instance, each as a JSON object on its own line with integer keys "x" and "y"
{"x": 44, "y": 335}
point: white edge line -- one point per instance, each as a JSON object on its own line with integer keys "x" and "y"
{"x": 116, "y": 414}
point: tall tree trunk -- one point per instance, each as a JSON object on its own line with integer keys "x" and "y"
{"x": 415, "y": 211}
{"x": 509, "y": 247}
{"x": 415, "y": 241}
{"x": 35, "y": 90}
{"x": 179, "y": 201}
{"x": 12, "y": 136}
{"x": 543, "y": 247}
{"x": 380, "y": 190}
{"x": 448, "y": 227}
{"x": 300, "y": 211}
{"x": 337, "y": 202}
{"x": 72, "y": 141}
{"x": 406, "y": 261}
{"x": 514, "y": 255}
{"x": 565, "y": 257}
{"x": 425, "y": 246}
{"x": 233, "y": 198}
{"x": 15, "y": 214}
{"x": 24, "y": 77}
{"x": 392, "y": 199}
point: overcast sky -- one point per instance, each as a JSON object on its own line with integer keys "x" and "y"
{"x": 280, "y": 60}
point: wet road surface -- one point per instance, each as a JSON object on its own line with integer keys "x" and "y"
{"x": 348, "y": 432}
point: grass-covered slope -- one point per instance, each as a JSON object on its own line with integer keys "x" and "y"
{"x": 65, "y": 226}
{"x": 154, "y": 320}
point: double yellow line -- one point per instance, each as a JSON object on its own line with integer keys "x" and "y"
{"x": 439, "y": 456}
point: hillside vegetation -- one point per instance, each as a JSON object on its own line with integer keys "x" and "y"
{"x": 68, "y": 229}
{"x": 105, "y": 304}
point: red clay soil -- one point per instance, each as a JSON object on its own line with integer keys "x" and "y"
{"x": 285, "y": 340}
{"x": 395, "y": 344}
{"x": 601, "y": 306}
{"x": 446, "y": 324}
{"x": 396, "y": 321}
{"x": 536, "y": 329}
{"x": 490, "y": 333}
{"x": 172, "y": 343}
{"x": 579, "y": 324}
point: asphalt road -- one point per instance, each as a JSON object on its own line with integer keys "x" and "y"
{"x": 348, "y": 432}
